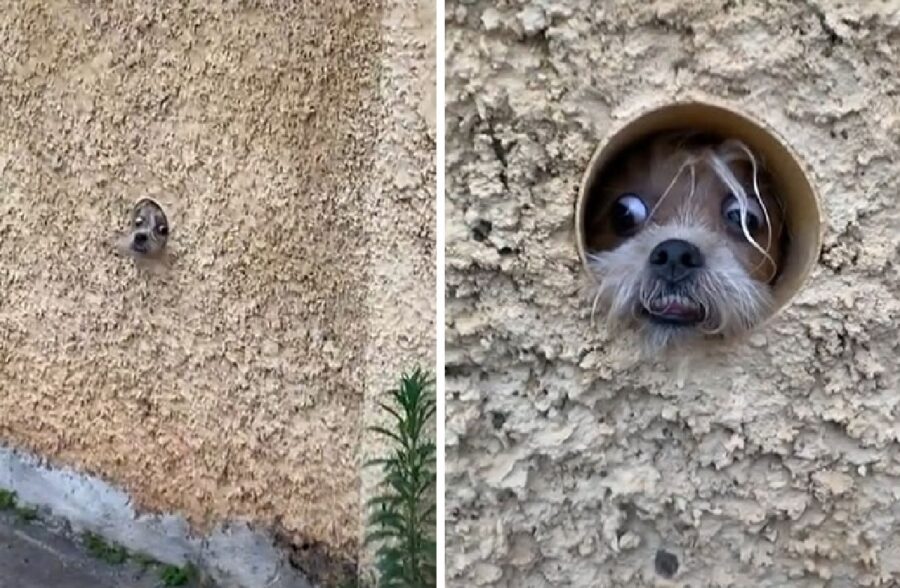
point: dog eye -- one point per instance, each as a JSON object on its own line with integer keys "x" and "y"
{"x": 138, "y": 221}
{"x": 731, "y": 210}
{"x": 628, "y": 214}
{"x": 162, "y": 230}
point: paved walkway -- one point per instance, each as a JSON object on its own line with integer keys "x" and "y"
{"x": 33, "y": 556}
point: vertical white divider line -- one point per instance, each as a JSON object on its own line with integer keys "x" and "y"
{"x": 441, "y": 289}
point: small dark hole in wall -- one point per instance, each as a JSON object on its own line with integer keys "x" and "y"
{"x": 507, "y": 495}
{"x": 482, "y": 230}
{"x": 666, "y": 563}
{"x": 497, "y": 419}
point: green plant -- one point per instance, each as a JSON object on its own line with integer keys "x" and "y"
{"x": 8, "y": 500}
{"x": 177, "y": 576}
{"x": 403, "y": 517}
{"x": 26, "y": 514}
{"x": 99, "y": 548}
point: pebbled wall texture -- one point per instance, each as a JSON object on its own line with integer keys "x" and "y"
{"x": 401, "y": 300}
{"x": 293, "y": 155}
{"x": 773, "y": 463}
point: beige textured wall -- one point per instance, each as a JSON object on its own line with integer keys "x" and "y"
{"x": 401, "y": 298}
{"x": 569, "y": 464}
{"x": 232, "y": 386}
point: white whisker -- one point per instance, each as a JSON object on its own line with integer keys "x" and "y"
{"x": 594, "y": 308}
{"x": 688, "y": 162}
{"x": 727, "y": 176}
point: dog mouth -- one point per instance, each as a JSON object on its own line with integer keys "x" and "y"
{"x": 674, "y": 309}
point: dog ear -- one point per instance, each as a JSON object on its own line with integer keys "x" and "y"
{"x": 147, "y": 201}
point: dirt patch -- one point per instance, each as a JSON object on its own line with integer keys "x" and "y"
{"x": 569, "y": 463}
{"x": 232, "y": 386}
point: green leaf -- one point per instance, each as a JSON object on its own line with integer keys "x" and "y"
{"x": 396, "y": 437}
{"x": 402, "y": 514}
{"x": 391, "y": 411}
{"x": 384, "y": 501}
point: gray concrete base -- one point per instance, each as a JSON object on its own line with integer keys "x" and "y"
{"x": 35, "y": 556}
{"x": 234, "y": 555}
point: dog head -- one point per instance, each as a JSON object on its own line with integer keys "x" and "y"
{"x": 148, "y": 230}
{"x": 684, "y": 234}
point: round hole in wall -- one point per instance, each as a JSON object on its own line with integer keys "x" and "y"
{"x": 147, "y": 232}
{"x": 802, "y": 212}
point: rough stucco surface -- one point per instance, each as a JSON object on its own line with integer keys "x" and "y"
{"x": 401, "y": 301}
{"x": 570, "y": 464}
{"x": 232, "y": 386}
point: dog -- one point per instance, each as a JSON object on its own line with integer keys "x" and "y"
{"x": 685, "y": 236}
{"x": 148, "y": 233}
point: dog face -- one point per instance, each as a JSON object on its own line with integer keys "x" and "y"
{"x": 685, "y": 237}
{"x": 149, "y": 230}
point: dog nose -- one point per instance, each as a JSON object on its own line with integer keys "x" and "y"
{"x": 675, "y": 259}
{"x": 140, "y": 238}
